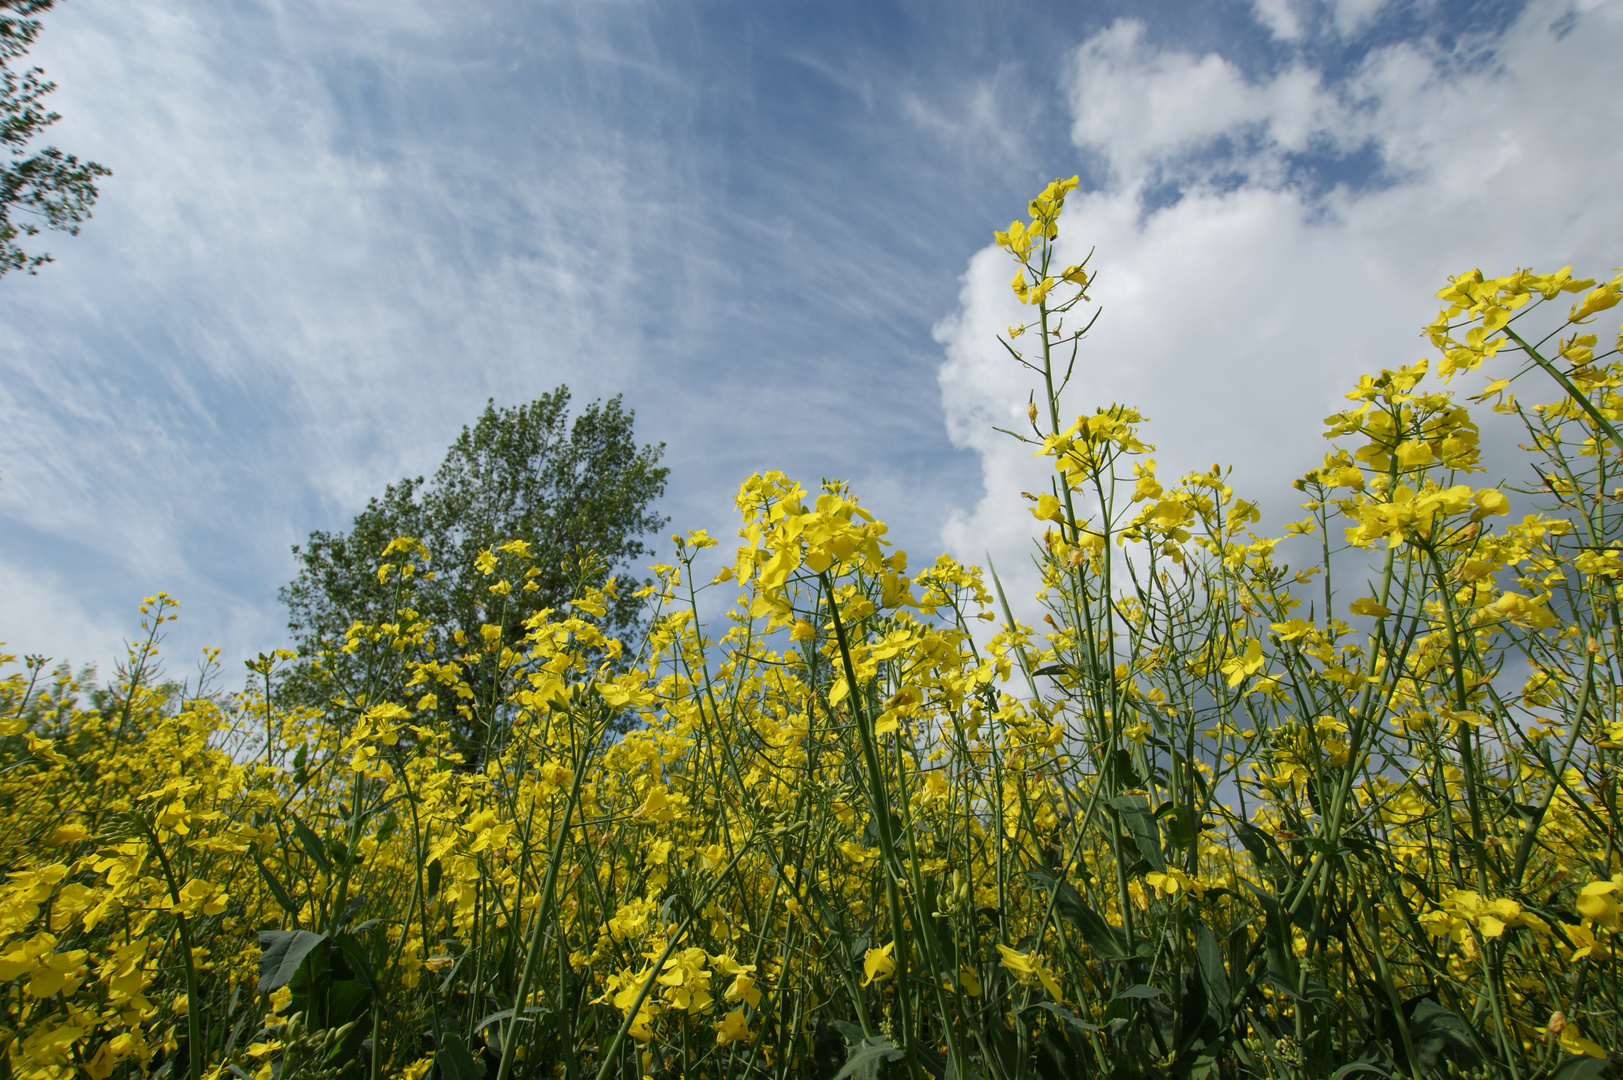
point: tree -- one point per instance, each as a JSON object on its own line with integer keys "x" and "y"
{"x": 46, "y": 186}
{"x": 579, "y": 494}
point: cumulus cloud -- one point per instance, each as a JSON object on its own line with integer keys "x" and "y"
{"x": 1246, "y": 280}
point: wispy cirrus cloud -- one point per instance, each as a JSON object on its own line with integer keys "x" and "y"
{"x": 299, "y": 283}
{"x": 336, "y": 230}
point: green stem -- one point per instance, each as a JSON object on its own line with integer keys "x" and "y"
{"x": 1524, "y": 850}
{"x": 194, "y": 1007}
{"x": 880, "y": 801}
{"x": 532, "y": 955}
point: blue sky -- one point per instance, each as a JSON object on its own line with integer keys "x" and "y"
{"x": 336, "y": 229}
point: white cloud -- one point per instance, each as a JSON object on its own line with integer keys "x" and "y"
{"x": 58, "y": 626}
{"x": 1237, "y": 316}
{"x": 1279, "y": 16}
{"x": 1143, "y": 109}
{"x": 1351, "y": 16}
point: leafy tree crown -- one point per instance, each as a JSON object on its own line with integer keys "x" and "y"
{"x": 579, "y": 494}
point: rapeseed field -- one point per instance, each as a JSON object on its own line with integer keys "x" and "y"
{"x": 1214, "y": 816}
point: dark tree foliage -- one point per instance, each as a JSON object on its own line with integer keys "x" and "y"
{"x": 580, "y": 494}
{"x": 45, "y": 186}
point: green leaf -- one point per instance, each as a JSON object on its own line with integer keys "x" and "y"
{"x": 312, "y": 845}
{"x": 1105, "y": 940}
{"x": 1206, "y": 1066}
{"x": 1141, "y": 991}
{"x": 454, "y": 1061}
{"x": 1182, "y": 824}
{"x": 491, "y": 1019}
{"x": 277, "y": 890}
{"x": 1125, "y": 774}
{"x": 1054, "y": 1058}
{"x": 868, "y": 1058}
{"x": 280, "y": 954}
{"x": 1584, "y": 1067}
{"x": 356, "y": 957}
{"x": 347, "y": 999}
{"x": 852, "y": 1032}
{"x": 1438, "y": 1034}
{"x": 354, "y": 909}
{"x": 1276, "y": 935}
{"x": 1262, "y": 852}
{"x": 934, "y": 1062}
{"x": 1209, "y": 958}
{"x": 1072, "y": 1021}
{"x": 1140, "y": 824}
{"x": 1315, "y": 991}
{"x": 1358, "y": 1068}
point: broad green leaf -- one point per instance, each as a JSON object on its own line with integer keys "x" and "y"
{"x": 280, "y": 954}
{"x": 1583, "y": 1067}
{"x": 1439, "y": 1035}
{"x": 1359, "y": 1068}
{"x": 1140, "y": 825}
{"x": 868, "y": 1058}
{"x": 455, "y": 1062}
